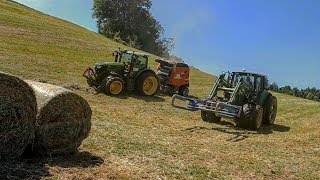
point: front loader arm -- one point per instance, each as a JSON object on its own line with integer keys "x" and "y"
{"x": 215, "y": 87}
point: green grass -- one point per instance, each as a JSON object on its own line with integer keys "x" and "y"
{"x": 139, "y": 137}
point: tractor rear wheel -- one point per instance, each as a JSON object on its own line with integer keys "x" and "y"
{"x": 183, "y": 91}
{"x": 113, "y": 85}
{"x": 251, "y": 117}
{"x": 147, "y": 84}
{"x": 210, "y": 117}
{"x": 271, "y": 108}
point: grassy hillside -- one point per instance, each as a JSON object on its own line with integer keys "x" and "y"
{"x": 139, "y": 137}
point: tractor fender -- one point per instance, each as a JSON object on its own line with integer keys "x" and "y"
{"x": 143, "y": 71}
{"x": 263, "y": 97}
{"x": 105, "y": 79}
{"x": 140, "y": 73}
{"x": 112, "y": 74}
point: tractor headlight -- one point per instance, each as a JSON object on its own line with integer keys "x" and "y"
{"x": 233, "y": 110}
{"x": 98, "y": 66}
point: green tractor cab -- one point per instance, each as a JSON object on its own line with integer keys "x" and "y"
{"x": 242, "y": 96}
{"x": 129, "y": 71}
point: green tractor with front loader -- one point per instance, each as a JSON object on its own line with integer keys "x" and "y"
{"x": 241, "y": 96}
{"x": 129, "y": 71}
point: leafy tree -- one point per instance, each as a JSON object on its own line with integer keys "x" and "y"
{"x": 307, "y": 93}
{"x": 310, "y": 96}
{"x": 287, "y": 89}
{"x": 296, "y": 92}
{"x": 274, "y": 87}
{"x": 133, "y": 22}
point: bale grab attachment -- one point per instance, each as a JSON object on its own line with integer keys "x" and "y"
{"x": 222, "y": 109}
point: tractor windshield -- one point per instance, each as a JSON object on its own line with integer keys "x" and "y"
{"x": 133, "y": 58}
{"x": 253, "y": 81}
{"x": 246, "y": 78}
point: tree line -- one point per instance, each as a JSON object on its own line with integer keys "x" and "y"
{"x": 307, "y": 93}
{"x": 130, "y": 22}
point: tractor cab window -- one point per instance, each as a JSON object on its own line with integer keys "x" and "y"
{"x": 244, "y": 78}
{"x": 141, "y": 60}
{"x": 236, "y": 78}
{"x": 138, "y": 61}
{"x": 249, "y": 80}
{"x": 126, "y": 57}
{"x": 133, "y": 58}
{"x": 258, "y": 84}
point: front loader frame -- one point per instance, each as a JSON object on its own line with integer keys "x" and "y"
{"x": 220, "y": 108}
{"x": 91, "y": 76}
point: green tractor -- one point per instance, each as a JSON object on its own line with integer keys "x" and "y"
{"x": 129, "y": 71}
{"x": 241, "y": 96}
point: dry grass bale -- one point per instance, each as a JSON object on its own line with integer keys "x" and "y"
{"x": 18, "y": 110}
{"x": 63, "y": 119}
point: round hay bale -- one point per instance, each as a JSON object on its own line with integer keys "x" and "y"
{"x": 18, "y": 110}
{"x": 63, "y": 120}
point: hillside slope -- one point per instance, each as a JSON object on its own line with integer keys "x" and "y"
{"x": 139, "y": 137}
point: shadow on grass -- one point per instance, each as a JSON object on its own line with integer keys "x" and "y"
{"x": 275, "y": 127}
{"x": 194, "y": 97}
{"x": 240, "y": 134}
{"x": 237, "y": 133}
{"x": 134, "y": 95}
{"x": 171, "y": 94}
{"x": 124, "y": 95}
{"x": 30, "y": 167}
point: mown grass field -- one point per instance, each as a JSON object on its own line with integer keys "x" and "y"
{"x": 138, "y": 137}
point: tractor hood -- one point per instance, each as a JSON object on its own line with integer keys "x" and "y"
{"x": 109, "y": 64}
{"x": 107, "y": 67}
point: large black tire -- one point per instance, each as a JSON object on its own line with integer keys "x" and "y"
{"x": 90, "y": 82}
{"x": 210, "y": 117}
{"x": 183, "y": 91}
{"x": 152, "y": 86}
{"x": 251, "y": 117}
{"x": 270, "y": 113}
{"x": 110, "y": 82}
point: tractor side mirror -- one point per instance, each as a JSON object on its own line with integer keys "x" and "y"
{"x": 267, "y": 87}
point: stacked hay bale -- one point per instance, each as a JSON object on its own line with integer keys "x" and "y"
{"x": 18, "y": 110}
{"x": 63, "y": 120}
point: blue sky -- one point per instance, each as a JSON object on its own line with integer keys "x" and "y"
{"x": 280, "y": 38}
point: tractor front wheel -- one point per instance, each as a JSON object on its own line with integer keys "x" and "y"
{"x": 147, "y": 84}
{"x": 210, "y": 117}
{"x": 114, "y": 85}
{"x": 251, "y": 117}
{"x": 183, "y": 91}
{"x": 270, "y": 110}
{"x": 90, "y": 82}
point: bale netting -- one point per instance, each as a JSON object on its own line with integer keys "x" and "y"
{"x": 18, "y": 110}
{"x": 63, "y": 120}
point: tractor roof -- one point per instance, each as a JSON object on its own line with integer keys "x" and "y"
{"x": 248, "y": 73}
{"x": 137, "y": 53}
